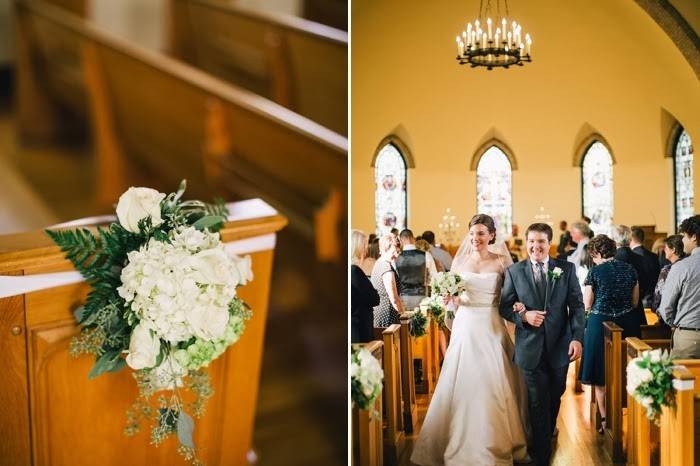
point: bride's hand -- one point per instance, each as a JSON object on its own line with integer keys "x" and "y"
{"x": 519, "y": 307}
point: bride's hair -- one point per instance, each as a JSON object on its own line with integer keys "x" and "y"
{"x": 487, "y": 221}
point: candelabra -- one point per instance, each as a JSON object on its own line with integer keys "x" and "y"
{"x": 448, "y": 228}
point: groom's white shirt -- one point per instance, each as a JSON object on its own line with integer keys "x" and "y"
{"x": 533, "y": 264}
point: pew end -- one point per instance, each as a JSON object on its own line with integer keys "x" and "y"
{"x": 367, "y": 423}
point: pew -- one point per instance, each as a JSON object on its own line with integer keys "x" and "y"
{"x": 615, "y": 383}
{"x": 641, "y": 434}
{"x": 300, "y": 64}
{"x": 424, "y": 358}
{"x": 434, "y": 350}
{"x": 394, "y": 440}
{"x": 54, "y": 415}
{"x": 408, "y": 387}
{"x": 177, "y": 120}
{"x": 680, "y": 426}
{"x": 367, "y": 423}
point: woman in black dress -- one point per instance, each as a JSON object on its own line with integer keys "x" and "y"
{"x": 363, "y": 296}
{"x": 611, "y": 293}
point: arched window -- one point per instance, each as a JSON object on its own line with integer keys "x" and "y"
{"x": 683, "y": 174}
{"x": 597, "y": 185}
{"x": 390, "y": 201}
{"x": 494, "y": 189}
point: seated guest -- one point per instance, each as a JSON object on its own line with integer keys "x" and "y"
{"x": 650, "y": 263}
{"x": 673, "y": 252}
{"x": 363, "y": 296}
{"x": 415, "y": 268}
{"x": 386, "y": 281}
{"x": 610, "y": 293}
{"x": 580, "y": 233}
{"x": 680, "y": 298}
{"x": 439, "y": 254}
{"x": 372, "y": 256}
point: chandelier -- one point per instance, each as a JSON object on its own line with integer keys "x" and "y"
{"x": 500, "y": 44}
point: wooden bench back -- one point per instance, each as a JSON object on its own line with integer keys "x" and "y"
{"x": 393, "y": 400}
{"x": 299, "y": 64}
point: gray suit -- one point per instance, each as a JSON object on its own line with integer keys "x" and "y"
{"x": 543, "y": 352}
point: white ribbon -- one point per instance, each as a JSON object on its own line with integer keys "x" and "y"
{"x": 242, "y": 210}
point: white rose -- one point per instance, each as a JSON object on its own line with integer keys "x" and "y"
{"x": 208, "y": 322}
{"x": 214, "y": 267}
{"x": 136, "y": 204}
{"x": 143, "y": 348}
{"x": 655, "y": 356}
{"x": 245, "y": 269}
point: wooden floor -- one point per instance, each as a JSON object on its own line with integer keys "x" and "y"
{"x": 576, "y": 445}
{"x": 302, "y": 406}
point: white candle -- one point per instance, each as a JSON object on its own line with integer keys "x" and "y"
{"x": 473, "y": 40}
{"x": 503, "y": 26}
{"x": 488, "y": 22}
{"x": 484, "y": 43}
{"x": 460, "y": 46}
{"x": 528, "y": 39}
{"x": 469, "y": 30}
{"x": 498, "y": 38}
{"x": 509, "y": 37}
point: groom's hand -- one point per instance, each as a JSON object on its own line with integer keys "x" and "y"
{"x": 575, "y": 349}
{"x": 535, "y": 318}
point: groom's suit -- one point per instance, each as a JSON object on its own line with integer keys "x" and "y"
{"x": 542, "y": 352}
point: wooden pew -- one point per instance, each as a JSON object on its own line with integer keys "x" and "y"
{"x": 615, "y": 382}
{"x": 300, "y": 64}
{"x": 679, "y": 426}
{"x": 424, "y": 352}
{"x": 394, "y": 439}
{"x": 178, "y": 120}
{"x": 367, "y": 423}
{"x": 641, "y": 433}
{"x": 55, "y": 415}
{"x": 408, "y": 381}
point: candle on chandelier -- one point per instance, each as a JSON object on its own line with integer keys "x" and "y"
{"x": 484, "y": 43}
{"x": 469, "y": 33}
{"x": 509, "y": 37}
{"x": 498, "y": 37}
{"x": 503, "y": 27}
{"x": 473, "y": 40}
{"x": 528, "y": 40}
{"x": 458, "y": 45}
{"x": 488, "y": 22}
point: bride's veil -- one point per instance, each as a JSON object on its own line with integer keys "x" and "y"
{"x": 459, "y": 263}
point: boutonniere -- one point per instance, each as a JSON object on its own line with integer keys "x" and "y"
{"x": 555, "y": 274}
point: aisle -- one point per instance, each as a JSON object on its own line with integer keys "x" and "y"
{"x": 577, "y": 443}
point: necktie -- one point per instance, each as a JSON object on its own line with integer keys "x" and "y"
{"x": 540, "y": 280}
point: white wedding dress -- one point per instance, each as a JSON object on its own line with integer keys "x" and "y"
{"x": 478, "y": 411}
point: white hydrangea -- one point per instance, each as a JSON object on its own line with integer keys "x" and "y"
{"x": 183, "y": 288}
{"x": 447, "y": 284}
{"x": 367, "y": 371}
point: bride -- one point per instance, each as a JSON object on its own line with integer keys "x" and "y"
{"x": 477, "y": 415}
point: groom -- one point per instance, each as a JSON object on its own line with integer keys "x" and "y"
{"x": 549, "y": 331}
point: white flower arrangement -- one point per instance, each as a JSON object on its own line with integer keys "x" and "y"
{"x": 649, "y": 381}
{"x": 434, "y": 306}
{"x": 447, "y": 284}
{"x": 419, "y": 322}
{"x": 366, "y": 377}
{"x": 555, "y": 273}
{"x": 164, "y": 302}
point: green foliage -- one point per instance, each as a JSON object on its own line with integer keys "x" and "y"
{"x": 419, "y": 324}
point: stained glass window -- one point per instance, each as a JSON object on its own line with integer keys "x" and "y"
{"x": 598, "y": 188}
{"x": 390, "y": 195}
{"x": 684, "y": 178}
{"x": 494, "y": 188}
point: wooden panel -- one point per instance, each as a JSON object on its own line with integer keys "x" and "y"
{"x": 392, "y": 400}
{"x": 14, "y": 422}
{"x": 614, "y": 389}
{"x": 408, "y": 387}
{"x": 367, "y": 423}
{"x": 678, "y": 424}
{"x": 299, "y": 64}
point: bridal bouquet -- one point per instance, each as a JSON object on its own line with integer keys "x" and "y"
{"x": 649, "y": 381}
{"x": 419, "y": 323}
{"x": 365, "y": 378}
{"x": 447, "y": 284}
{"x": 435, "y": 307}
{"x": 163, "y": 302}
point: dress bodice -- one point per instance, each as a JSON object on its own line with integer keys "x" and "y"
{"x": 482, "y": 289}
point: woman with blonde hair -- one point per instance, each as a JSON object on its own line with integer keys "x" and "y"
{"x": 385, "y": 280}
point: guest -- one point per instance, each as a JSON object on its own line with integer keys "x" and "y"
{"x": 610, "y": 293}
{"x": 673, "y": 251}
{"x": 423, "y": 245}
{"x": 564, "y": 239}
{"x": 587, "y": 220}
{"x": 622, "y": 235}
{"x": 680, "y": 299}
{"x": 363, "y": 296}
{"x": 371, "y": 238}
{"x": 415, "y": 268}
{"x": 372, "y": 256}
{"x": 395, "y": 232}
{"x": 580, "y": 233}
{"x": 659, "y": 248}
{"x": 515, "y": 243}
{"x": 385, "y": 280}
{"x": 439, "y": 254}
{"x": 650, "y": 263}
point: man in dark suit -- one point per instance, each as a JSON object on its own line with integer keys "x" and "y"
{"x": 548, "y": 333}
{"x": 564, "y": 240}
{"x": 622, "y": 235}
{"x": 650, "y": 267}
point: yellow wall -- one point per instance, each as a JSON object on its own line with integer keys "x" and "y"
{"x": 602, "y": 66}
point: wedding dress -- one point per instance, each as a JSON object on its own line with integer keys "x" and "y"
{"x": 478, "y": 411}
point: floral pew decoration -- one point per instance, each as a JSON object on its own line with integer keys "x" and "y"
{"x": 649, "y": 382}
{"x": 163, "y": 301}
{"x": 419, "y": 323}
{"x": 366, "y": 376}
